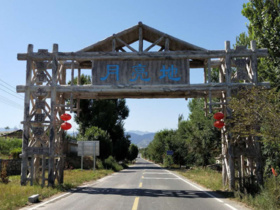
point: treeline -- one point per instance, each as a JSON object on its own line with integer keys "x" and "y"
{"x": 195, "y": 142}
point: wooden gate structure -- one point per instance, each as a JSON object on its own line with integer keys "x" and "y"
{"x": 121, "y": 66}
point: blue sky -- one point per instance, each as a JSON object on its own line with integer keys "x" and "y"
{"x": 77, "y": 24}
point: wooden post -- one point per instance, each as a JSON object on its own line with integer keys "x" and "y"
{"x": 31, "y": 170}
{"x": 51, "y": 177}
{"x": 188, "y": 71}
{"x": 140, "y": 38}
{"x": 166, "y": 44}
{"x": 224, "y": 169}
{"x": 43, "y": 170}
{"x": 230, "y": 155}
{"x": 92, "y": 72}
{"x": 72, "y": 72}
{"x": 209, "y": 70}
{"x": 254, "y": 61}
{"x": 228, "y": 63}
{"x": 114, "y": 45}
{"x": 25, "y": 135}
{"x": 79, "y": 77}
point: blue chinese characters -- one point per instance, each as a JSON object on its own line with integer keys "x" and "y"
{"x": 139, "y": 72}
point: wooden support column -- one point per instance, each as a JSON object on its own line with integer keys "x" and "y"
{"x": 224, "y": 161}
{"x": 209, "y": 82}
{"x": 51, "y": 177}
{"x": 25, "y": 135}
{"x": 230, "y": 155}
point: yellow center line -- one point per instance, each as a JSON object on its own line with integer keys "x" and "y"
{"x": 140, "y": 185}
{"x": 135, "y": 204}
{"x": 142, "y": 177}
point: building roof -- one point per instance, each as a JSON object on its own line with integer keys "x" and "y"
{"x": 131, "y": 35}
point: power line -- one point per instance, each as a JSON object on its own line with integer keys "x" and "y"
{"x": 13, "y": 91}
{"x": 10, "y": 88}
{"x": 11, "y": 94}
{"x": 11, "y": 105}
{"x": 10, "y": 101}
{"x": 7, "y": 83}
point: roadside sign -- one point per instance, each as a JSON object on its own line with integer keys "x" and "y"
{"x": 88, "y": 148}
{"x": 169, "y": 152}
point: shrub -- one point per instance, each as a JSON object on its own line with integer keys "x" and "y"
{"x": 15, "y": 153}
{"x": 4, "y": 175}
{"x": 6, "y": 145}
{"x": 111, "y": 163}
{"x": 99, "y": 164}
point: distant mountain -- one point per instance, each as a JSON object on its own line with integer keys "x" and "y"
{"x": 8, "y": 130}
{"x": 139, "y": 132}
{"x": 141, "y": 139}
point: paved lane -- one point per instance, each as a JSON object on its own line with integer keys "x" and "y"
{"x": 143, "y": 186}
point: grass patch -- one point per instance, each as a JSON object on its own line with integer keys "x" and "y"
{"x": 209, "y": 178}
{"x": 16, "y": 196}
{"x": 267, "y": 198}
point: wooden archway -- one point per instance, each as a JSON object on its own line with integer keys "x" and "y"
{"x": 118, "y": 70}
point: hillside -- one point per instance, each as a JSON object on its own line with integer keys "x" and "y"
{"x": 141, "y": 140}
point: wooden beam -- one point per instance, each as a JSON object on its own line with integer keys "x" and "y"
{"x": 129, "y": 47}
{"x": 87, "y": 56}
{"x": 144, "y": 88}
{"x": 154, "y": 44}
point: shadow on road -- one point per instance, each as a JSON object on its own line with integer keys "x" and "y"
{"x": 143, "y": 166}
{"x": 148, "y": 192}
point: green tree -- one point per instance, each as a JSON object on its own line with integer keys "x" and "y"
{"x": 264, "y": 27}
{"x": 203, "y": 139}
{"x": 94, "y": 133}
{"x": 108, "y": 115}
{"x": 132, "y": 152}
{"x": 256, "y": 112}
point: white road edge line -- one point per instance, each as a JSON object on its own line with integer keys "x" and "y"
{"x": 65, "y": 194}
{"x": 154, "y": 173}
{"x": 42, "y": 204}
{"x": 157, "y": 178}
{"x": 219, "y": 200}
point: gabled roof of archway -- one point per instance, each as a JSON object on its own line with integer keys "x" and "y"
{"x": 131, "y": 35}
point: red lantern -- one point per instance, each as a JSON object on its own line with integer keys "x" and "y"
{"x": 219, "y": 116}
{"x": 274, "y": 172}
{"x": 66, "y": 126}
{"x": 219, "y": 124}
{"x": 65, "y": 117}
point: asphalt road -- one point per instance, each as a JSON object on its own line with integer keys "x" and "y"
{"x": 143, "y": 186}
